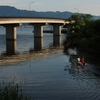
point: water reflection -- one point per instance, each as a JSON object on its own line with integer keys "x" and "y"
{"x": 87, "y": 75}
{"x": 57, "y": 40}
{"x": 56, "y": 77}
{"x": 11, "y": 47}
{"x": 38, "y": 44}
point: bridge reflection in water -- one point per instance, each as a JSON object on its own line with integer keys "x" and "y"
{"x": 38, "y": 44}
{"x": 11, "y": 46}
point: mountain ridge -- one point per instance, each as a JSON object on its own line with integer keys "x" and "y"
{"x": 12, "y": 11}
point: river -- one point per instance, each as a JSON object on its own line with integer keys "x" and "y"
{"x": 53, "y": 77}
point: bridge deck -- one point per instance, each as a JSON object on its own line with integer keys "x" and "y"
{"x": 14, "y": 20}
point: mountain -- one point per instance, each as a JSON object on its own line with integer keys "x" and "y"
{"x": 14, "y": 12}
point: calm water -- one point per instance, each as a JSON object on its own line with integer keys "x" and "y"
{"x": 55, "y": 77}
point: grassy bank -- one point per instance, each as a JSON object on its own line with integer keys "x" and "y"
{"x": 12, "y": 92}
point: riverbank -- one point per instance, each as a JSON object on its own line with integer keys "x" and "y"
{"x": 6, "y": 60}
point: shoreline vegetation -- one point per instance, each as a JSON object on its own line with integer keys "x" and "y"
{"x": 86, "y": 36}
{"x": 33, "y": 55}
{"x": 12, "y": 92}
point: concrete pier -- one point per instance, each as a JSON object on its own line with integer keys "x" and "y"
{"x": 11, "y": 39}
{"x": 38, "y": 36}
{"x": 38, "y": 44}
{"x": 57, "y": 34}
{"x": 56, "y": 40}
{"x": 57, "y": 29}
{"x": 11, "y": 47}
{"x": 38, "y": 30}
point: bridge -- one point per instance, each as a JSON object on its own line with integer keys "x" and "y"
{"x": 10, "y": 23}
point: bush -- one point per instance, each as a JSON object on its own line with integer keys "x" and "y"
{"x": 10, "y": 92}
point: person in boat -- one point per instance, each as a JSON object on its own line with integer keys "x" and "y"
{"x": 78, "y": 59}
{"x": 82, "y": 61}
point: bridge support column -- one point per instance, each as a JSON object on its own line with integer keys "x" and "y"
{"x": 38, "y": 36}
{"x": 10, "y": 39}
{"x": 56, "y": 34}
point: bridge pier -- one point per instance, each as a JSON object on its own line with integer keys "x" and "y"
{"x": 10, "y": 23}
{"x": 57, "y": 34}
{"x": 10, "y": 38}
{"x": 38, "y": 36}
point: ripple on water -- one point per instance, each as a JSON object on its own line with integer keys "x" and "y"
{"x": 47, "y": 79}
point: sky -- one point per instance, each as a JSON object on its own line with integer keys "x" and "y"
{"x": 80, "y": 6}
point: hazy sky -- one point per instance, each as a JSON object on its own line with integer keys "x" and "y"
{"x": 82, "y": 6}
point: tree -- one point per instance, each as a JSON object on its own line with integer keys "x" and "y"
{"x": 80, "y": 21}
{"x": 86, "y": 33}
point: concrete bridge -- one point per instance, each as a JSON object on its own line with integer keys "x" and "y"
{"x": 10, "y": 23}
